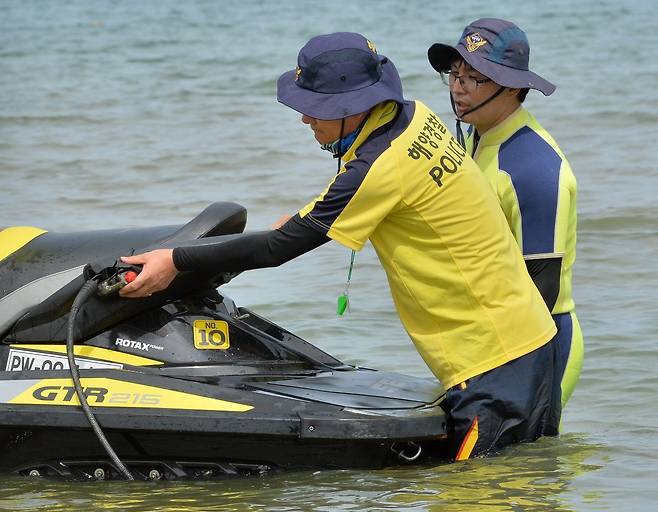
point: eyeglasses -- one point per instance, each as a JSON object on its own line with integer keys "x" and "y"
{"x": 468, "y": 83}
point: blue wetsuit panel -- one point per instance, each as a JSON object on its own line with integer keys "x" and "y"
{"x": 534, "y": 168}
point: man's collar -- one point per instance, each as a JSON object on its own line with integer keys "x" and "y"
{"x": 379, "y": 116}
{"x": 504, "y": 130}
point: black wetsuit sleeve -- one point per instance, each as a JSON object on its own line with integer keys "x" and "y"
{"x": 251, "y": 250}
{"x": 545, "y": 273}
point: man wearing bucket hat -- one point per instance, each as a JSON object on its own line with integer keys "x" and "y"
{"x": 457, "y": 276}
{"x": 487, "y": 72}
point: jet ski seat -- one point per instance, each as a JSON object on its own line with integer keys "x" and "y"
{"x": 49, "y": 261}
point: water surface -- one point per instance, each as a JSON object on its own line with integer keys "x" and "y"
{"x": 117, "y": 114}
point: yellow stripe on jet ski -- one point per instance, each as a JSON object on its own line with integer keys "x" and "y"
{"x": 102, "y": 354}
{"x": 103, "y": 392}
{"x": 12, "y": 239}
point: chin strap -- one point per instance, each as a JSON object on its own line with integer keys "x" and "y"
{"x": 339, "y": 153}
{"x": 336, "y": 147}
{"x": 458, "y": 119}
{"x": 340, "y": 146}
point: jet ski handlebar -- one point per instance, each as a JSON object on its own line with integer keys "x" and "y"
{"x": 117, "y": 280}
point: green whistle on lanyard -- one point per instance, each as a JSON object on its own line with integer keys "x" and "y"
{"x": 343, "y": 302}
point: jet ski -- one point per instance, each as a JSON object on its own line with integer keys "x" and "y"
{"x": 185, "y": 383}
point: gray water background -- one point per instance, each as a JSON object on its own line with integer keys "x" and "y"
{"x": 117, "y": 114}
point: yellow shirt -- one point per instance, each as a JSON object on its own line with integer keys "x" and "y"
{"x": 456, "y": 274}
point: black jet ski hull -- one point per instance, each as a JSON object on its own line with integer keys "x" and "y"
{"x": 49, "y": 453}
{"x": 185, "y": 383}
{"x": 247, "y": 427}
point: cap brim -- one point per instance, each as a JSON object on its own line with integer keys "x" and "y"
{"x": 339, "y": 105}
{"x": 441, "y": 56}
{"x": 506, "y": 76}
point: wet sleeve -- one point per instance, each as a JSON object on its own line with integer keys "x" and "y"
{"x": 251, "y": 250}
{"x": 545, "y": 273}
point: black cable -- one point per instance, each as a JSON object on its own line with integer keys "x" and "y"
{"x": 85, "y": 292}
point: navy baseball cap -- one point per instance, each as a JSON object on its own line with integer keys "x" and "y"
{"x": 496, "y": 48}
{"x": 339, "y": 75}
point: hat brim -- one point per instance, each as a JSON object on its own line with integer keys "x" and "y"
{"x": 441, "y": 57}
{"x": 327, "y": 106}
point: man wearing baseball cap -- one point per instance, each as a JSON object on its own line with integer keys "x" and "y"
{"x": 457, "y": 276}
{"x": 488, "y": 75}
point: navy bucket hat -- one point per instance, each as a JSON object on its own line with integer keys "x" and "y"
{"x": 339, "y": 75}
{"x": 496, "y": 48}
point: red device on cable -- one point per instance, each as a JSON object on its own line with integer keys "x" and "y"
{"x": 114, "y": 283}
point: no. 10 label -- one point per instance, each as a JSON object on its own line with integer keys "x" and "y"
{"x": 211, "y": 335}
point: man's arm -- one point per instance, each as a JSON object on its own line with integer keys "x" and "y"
{"x": 250, "y": 251}
{"x": 244, "y": 252}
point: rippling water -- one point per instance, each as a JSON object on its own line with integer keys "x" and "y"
{"x": 120, "y": 113}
